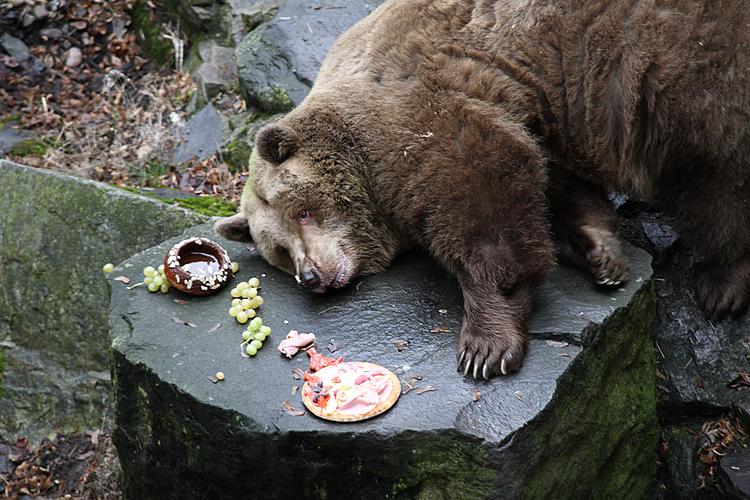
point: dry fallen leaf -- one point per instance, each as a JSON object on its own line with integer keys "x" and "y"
{"x": 423, "y": 389}
{"x": 291, "y": 409}
{"x": 298, "y": 374}
{"x": 440, "y": 329}
{"x": 475, "y": 394}
{"x": 557, "y": 343}
{"x": 181, "y": 302}
{"x": 215, "y": 328}
{"x": 333, "y": 346}
{"x": 123, "y": 279}
{"x": 295, "y": 388}
{"x": 401, "y": 344}
{"x": 183, "y": 322}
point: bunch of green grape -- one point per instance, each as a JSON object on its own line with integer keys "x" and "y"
{"x": 246, "y": 300}
{"x": 253, "y": 337}
{"x": 155, "y": 279}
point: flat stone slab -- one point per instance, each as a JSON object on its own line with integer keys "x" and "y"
{"x": 165, "y": 402}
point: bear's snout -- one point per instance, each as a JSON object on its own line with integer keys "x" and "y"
{"x": 309, "y": 279}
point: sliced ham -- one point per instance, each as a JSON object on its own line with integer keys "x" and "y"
{"x": 294, "y": 341}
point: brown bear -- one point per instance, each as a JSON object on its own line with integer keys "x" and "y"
{"x": 477, "y": 128}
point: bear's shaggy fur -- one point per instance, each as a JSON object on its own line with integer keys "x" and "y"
{"x": 475, "y": 128}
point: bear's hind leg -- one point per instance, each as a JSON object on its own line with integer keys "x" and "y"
{"x": 586, "y": 225}
{"x": 710, "y": 203}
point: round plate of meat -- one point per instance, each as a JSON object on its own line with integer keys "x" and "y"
{"x": 350, "y": 391}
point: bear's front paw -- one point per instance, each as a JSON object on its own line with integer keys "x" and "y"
{"x": 606, "y": 259}
{"x": 724, "y": 290}
{"x": 496, "y": 350}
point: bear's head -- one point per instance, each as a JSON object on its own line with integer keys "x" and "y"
{"x": 309, "y": 204}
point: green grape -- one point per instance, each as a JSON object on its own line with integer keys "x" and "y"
{"x": 148, "y": 279}
{"x": 234, "y": 311}
{"x": 159, "y": 281}
{"x": 255, "y": 324}
{"x": 257, "y": 344}
{"x": 245, "y": 303}
{"x": 148, "y": 271}
{"x": 250, "y": 313}
{"x": 259, "y": 336}
{"x": 235, "y": 267}
{"x": 251, "y": 350}
{"x": 161, "y": 269}
{"x": 152, "y": 287}
{"x": 108, "y": 268}
{"x": 242, "y": 285}
{"x": 255, "y": 302}
{"x": 252, "y": 293}
{"x": 242, "y": 317}
{"x": 265, "y": 330}
{"x": 246, "y": 335}
{"x": 245, "y": 293}
{"x": 235, "y": 292}
{"x": 164, "y": 287}
{"x": 260, "y": 300}
{"x": 236, "y": 302}
{"x": 254, "y": 282}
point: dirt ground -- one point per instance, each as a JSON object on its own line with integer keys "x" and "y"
{"x": 81, "y": 466}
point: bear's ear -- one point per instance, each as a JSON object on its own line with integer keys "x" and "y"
{"x": 234, "y": 228}
{"x": 275, "y": 143}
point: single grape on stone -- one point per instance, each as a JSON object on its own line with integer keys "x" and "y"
{"x": 108, "y": 268}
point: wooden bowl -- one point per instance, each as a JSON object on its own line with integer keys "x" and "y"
{"x": 198, "y": 266}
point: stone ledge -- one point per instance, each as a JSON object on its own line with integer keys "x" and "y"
{"x": 592, "y": 403}
{"x": 56, "y": 232}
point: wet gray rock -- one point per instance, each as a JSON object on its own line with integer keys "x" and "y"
{"x": 218, "y": 71}
{"x": 56, "y": 233}
{"x": 585, "y": 395}
{"x": 9, "y": 137}
{"x": 700, "y": 359}
{"x": 734, "y": 474}
{"x": 203, "y": 135}
{"x": 681, "y": 461}
{"x": 15, "y": 47}
{"x": 278, "y": 61}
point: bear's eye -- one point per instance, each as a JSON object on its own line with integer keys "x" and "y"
{"x": 304, "y": 216}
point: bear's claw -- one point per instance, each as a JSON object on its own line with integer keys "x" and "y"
{"x": 490, "y": 354}
{"x": 606, "y": 260}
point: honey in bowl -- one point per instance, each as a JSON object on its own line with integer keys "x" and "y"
{"x": 197, "y": 266}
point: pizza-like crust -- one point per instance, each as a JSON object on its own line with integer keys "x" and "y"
{"x": 386, "y": 401}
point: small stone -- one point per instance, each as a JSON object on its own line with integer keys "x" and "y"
{"x": 74, "y": 57}
{"x": 40, "y": 11}
{"x": 27, "y": 20}
{"x": 15, "y": 47}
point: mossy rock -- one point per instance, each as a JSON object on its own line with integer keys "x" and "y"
{"x": 56, "y": 233}
{"x": 578, "y": 420}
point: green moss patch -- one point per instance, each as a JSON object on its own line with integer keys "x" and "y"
{"x": 31, "y": 147}
{"x": 603, "y": 420}
{"x": 206, "y": 205}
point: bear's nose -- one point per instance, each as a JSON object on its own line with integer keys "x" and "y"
{"x": 309, "y": 279}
